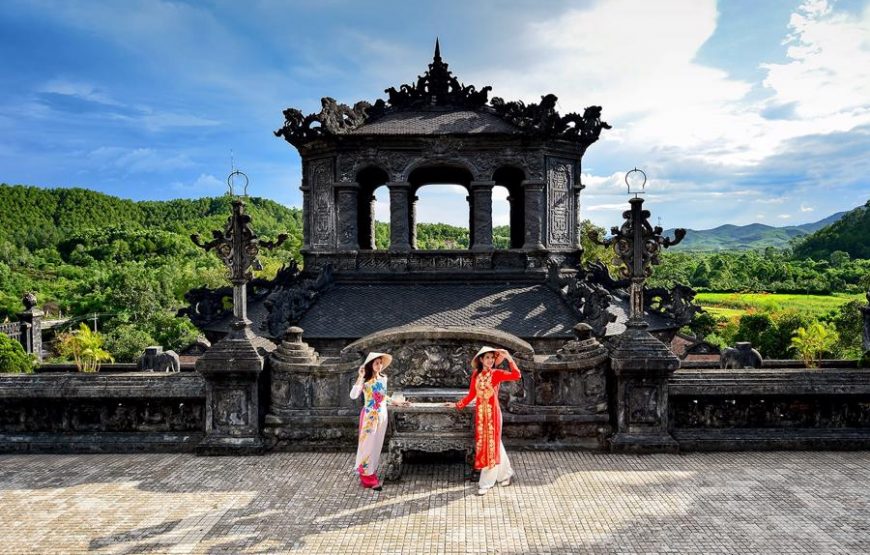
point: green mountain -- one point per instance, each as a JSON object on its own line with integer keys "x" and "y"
{"x": 748, "y": 237}
{"x": 848, "y": 234}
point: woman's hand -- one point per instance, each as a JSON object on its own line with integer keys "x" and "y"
{"x": 451, "y": 405}
{"x": 361, "y": 374}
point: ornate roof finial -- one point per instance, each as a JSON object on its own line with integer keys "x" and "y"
{"x": 437, "y": 57}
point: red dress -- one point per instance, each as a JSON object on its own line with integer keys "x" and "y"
{"x": 487, "y": 417}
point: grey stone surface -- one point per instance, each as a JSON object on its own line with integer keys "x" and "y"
{"x": 560, "y": 503}
{"x": 741, "y": 355}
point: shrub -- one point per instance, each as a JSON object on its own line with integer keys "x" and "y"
{"x": 813, "y": 341}
{"x": 13, "y": 358}
{"x": 85, "y": 347}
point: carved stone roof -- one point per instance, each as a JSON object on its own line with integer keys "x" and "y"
{"x": 437, "y": 122}
{"x": 409, "y": 110}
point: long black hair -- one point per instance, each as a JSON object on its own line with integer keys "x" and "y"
{"x": 370, "y": 369}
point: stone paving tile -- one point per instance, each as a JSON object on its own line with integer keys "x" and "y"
{"x": 796, "y": 502}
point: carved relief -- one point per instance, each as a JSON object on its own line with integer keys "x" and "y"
{"x": 230, "y": 408}
{"x": 560, "y": 180}
{"x": 643, "y": 404}
{"x": 432, "y": 365}
{"x": 323, "y": 203}
{"x": 347, "y": 200}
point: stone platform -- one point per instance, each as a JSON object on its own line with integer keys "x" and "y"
{"x": 567, "y": 502}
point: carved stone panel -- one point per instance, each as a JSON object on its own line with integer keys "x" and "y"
{"x": 432, "y": 365}
{"x": 347, "y": 218}
{"x": 560, "y": 196}
{"x": 643, "y": 404}
{"x": 322, "y": 217}
{"x": 231, "y": 409}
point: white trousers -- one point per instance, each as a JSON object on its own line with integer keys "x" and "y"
{"x": 501, "y": 471}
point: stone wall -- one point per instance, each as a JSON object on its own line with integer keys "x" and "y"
{"x": 101, "y": 412}
{"x": 782, "y": 408}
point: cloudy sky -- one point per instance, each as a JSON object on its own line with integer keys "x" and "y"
{"x": 739, "y": 111}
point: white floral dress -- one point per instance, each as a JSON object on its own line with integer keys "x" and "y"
{"x": 372, "y": 424}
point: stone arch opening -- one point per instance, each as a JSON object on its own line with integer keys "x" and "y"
{"x": 447, "y": 187}
{"x": 511, "y": 179}
{"x": 370, "y": 179}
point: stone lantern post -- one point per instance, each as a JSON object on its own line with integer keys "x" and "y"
{"x": 641, "y": 363}
{"x": 231, "y": 367}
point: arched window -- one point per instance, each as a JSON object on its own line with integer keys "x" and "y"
{"x": 440, "y": 208}
{"x": 374, "y": 205}
{"x": 508, "y": 180}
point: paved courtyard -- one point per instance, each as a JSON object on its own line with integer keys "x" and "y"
{"x": 796, "y": 502}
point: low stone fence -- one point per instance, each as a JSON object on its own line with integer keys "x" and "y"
{"x": 770, "y": 408}
{"x": 101, "y": 412}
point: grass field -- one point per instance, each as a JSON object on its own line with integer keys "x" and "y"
{"x": 736, "y": 304}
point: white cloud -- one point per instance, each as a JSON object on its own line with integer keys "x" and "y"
{"x": 805, "y": 208}
{"x": 139, "y": 160}
{"x": 784, "y": 216}
{"x": 639, "y": 59}
{"x": 827, "y": 75}
{"x": 78, "y": 89}
{"x": 205, "y": 184}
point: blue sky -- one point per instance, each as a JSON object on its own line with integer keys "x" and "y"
{"x": 739, "y": 111}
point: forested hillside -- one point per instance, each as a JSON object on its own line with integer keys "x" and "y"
{"x": 849, "y": 235}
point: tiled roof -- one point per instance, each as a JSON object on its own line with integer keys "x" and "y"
{"x": 352, "y": 311}
{"x": 436, "y": 123}
{"x": 356, "y": 310}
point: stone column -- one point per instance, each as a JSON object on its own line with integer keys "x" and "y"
{"x": 400, "y": 218}
{"x": 534, "y": 193}
{"x": 373, "y": 221}
{"x": 31, "y": 328}
{"x": 306, "y": 216}
{"x": 413, "y": 216}
{"x": 348, "y": 232}
{"x": 578, "y": 225}
{"x": 481, "y": 192}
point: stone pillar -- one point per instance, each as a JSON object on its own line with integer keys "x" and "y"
{"x": 578, "y": 225}
{"x": 481, "y": 192}
{"x": 641, "y": 367}
{"x": 400, "y": 217}
{"x": 231, "y": 369}
{"x": 348, "y": 219}
{"x": 534, "y": 192}
{"x": 306, "y": 216}
{"x": 373, "y": 221}
{"x": 413, "y": 217}
{"x": 31, "y": 327}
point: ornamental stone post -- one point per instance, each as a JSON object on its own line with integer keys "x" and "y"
{"x": 232, "y": 366}
{"x": 641, "y": 363}
{"x": 400, "y": 193}
{"x": 31, "y": 326}
{"x": 534, "y": 191}
{"x": 482, "y": 215}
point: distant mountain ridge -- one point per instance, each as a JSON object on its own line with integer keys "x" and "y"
{"x": 730, "y": 237}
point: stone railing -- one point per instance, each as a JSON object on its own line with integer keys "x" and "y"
{"x": 12, "y": 330}
{"x": 770, "y": 408}
{"x": 448, "y": 261}
{"x": 101, "y": 412}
